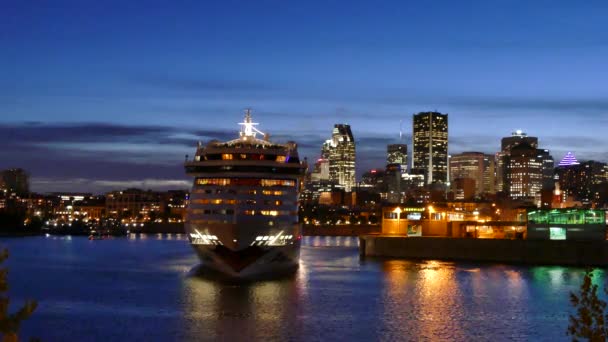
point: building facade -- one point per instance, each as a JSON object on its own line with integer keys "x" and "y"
{"x": 583, "y": 181}
{"x": 342, "y": 157}
{"x": 506, "y": 144}
{"x": 397, "y": 154}
{"x": 430, "y": 152}
{"x": 524, "y": 173}
{"x": 15, "y": 181}
{"x": 476, "y": 166}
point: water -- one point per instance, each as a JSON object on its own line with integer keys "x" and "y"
{"x": 142, "y": 289}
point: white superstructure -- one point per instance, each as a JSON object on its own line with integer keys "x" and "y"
{"x": 243, "y": 214}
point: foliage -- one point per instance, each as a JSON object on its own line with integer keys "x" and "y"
{"x": 9, "y": 323}
{"x": 589, "y": 321}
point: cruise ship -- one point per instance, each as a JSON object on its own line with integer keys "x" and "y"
{"x": 242, "y": 218}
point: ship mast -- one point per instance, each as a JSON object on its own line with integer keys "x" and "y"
{"x": 248, "y": 129}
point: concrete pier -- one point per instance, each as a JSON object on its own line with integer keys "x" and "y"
{"x": 537, "y": 252}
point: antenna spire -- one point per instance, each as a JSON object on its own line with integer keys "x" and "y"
{"x": 247, "y": 129}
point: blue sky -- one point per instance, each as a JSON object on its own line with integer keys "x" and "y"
{"x": 112, "y": 93}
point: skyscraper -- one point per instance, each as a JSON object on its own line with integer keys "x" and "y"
{"x": 506, "y": 144}
{"x": 341, "y": 150}
{"x": 581, "y": 180}
{"x": 524, "y": 172}
{"x": 430, "y": 152}
{"x": 475, "y": 166}
{"x": 397, "y": 154}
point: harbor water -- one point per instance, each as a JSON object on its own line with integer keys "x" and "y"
{"x": 145, "y": 288}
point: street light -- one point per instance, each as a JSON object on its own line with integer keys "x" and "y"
{"x": 398, "y": 211}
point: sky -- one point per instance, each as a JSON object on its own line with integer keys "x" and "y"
{"x": 104, "y": 95}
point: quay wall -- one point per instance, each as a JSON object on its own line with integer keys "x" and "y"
{"x": 340, "y": 230}
{"x": 307, "y": 230}
{"x": 538, "y": 252}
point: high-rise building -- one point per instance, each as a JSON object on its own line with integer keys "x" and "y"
{"x": 583, "y": 180}
{"x": 524, "y": 172}
{"x": 320, "y": 172}
{"x": 397, "y": 154}
{"x": 15, "y": 181}
{"x": 341, "y": 150}
{"x": 548, "y": 169}
{"x": 476, "y": 166}
{"x": 430, "y": 152}
{"x": 506, "y": 144}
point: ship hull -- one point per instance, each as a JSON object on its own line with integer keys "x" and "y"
{"x": 270, "y": 261}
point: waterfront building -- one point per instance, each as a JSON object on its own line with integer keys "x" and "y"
{"x": 341, "y": 155}
{"x": 133, "y": 205}
{"x": 566, "y": 224}
{"x": 430, "y": 152}
{"x": 475, "y": 166}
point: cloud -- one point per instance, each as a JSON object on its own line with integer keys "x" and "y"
{"x": 104, "y": 185}
{"x": 201, "y": 84}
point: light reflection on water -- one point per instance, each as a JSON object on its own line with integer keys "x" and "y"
{"x": 143, "y": 288}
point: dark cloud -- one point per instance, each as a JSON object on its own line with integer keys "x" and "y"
{"x": 34, "y": 132}
{"x": 102, "y": 157}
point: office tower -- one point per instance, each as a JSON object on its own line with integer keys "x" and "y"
{"x": 476, "y": 166}
{"x": 341, "y": 150}
{"x": 397, "y": 154}
{"x": 507, "y": 143}
{"x": 320, "y": 172}
{"x": 568, "y": 160}
{"x": 524, "y": 172}
{"x": 583, "y": 181}
{"x": 516, "y": 138}
{"x": 15, "y": 181}
{"x": 430, "y": 152}
{"x": 548, "y": 169}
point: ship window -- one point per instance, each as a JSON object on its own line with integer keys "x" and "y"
{"x": 245, "y": 182}
{"x": 227, "y": 156}
{"x": 243, "y": 156}
{"x": 272, "y": 192}
{"x": 281, "y": 159}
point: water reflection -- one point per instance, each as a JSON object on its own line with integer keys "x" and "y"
{"x": 139, "y": 289}
{"x": 330, "y": 241}
{"x": 216, "y": 310}
{"x": 157, "y": 236}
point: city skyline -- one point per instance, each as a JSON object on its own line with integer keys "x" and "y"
{"x": 118, "y": 102}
